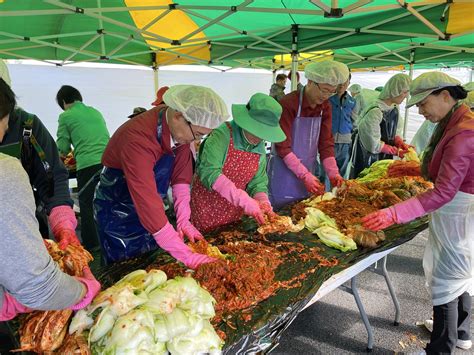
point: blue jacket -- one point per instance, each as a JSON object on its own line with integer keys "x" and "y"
{"x": 342, "y": 113}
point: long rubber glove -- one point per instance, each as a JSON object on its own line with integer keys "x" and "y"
{"x": 389, "y": 149}
{"x": 330, "y": 166}
{"x": 92, "y": 286}
{"x": 400, "y": 213}
{"x": 408, "y": 210}
{"x": 168, "y": 239}
{"x": 63, "y": 223}
{"x": 182, "y": 198}
{"x": 238, "y": 197}
{"x": 11, "y": 307}
{"x": 264, "y": 202}
{"x": 310, "y": 181}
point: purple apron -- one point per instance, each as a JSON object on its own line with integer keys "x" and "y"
{"x": 284, "y": 186}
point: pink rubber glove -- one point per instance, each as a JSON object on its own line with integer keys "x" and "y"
{"x": 238, "y": 197}
{"x": 92, "y": 285}
{"x": 63, "y": 223}
{"x": 11, "y": 307}
{"x": 389, "y": 149}
{"x": 408, "y": 210}
{"x": 399, "y": 143}
{"x": 380, "y": 219}
{"x": 168, "y": 239}
{"x": 67, "y": 237}
{"x": 264, "y": 202}
{"x": 181, "y": 198}
{"x": 310, "y": 181}
{"x": 330, "y": 166}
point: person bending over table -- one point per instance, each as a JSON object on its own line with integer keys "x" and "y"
{"x": 449, "y": 162}
{"x": 231, "y": 178}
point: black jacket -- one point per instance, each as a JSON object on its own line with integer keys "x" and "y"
{"x": 38, "y": 178}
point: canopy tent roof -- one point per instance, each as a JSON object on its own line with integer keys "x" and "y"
{"x": 256, "y": 33}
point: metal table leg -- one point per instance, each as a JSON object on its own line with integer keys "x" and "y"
{"x": 353, "y": 290}
{"x": 383, "y": 271}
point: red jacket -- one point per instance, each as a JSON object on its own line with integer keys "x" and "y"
{"x": 452, "y": 164}
{"x": 290, "y": 109}
{"x": 134, "y": 148}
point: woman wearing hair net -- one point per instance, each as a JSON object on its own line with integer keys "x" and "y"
{"x": 144, "y": 156}
{"x": 307, "y": 123}
{"x": 448, "y": 162}
{"x": 376, "y": 138}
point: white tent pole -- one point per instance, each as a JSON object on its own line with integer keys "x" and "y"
{"x": 405, "y": 122}
{"x": 155, "y": 78}
{"x": 294, "y": 70}
{"x": 294, "y": 56}
{"x": 273, "y": 70}
{"x": 470, "y": 77}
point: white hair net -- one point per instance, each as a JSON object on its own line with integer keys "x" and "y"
{"x": 469, "y": 86}
{"x": 355, "y": 88}
{"x": 327, "y": 72}
{"x": 469, "y": 100}
{"x": 395, "y": 86}
{"x": 4, "y": 73}
{"x": 200, "y": 105}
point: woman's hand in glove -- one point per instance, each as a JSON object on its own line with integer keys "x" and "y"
{"x": 380, "y": 219}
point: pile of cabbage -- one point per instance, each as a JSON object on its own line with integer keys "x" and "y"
{"x": 325, "y": 227}
{"x": 144, "y": 313}
{"x": 379, "y": 169}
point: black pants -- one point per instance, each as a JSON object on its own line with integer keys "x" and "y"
{"x": 451, "y": 321}
{"x": 89, "y": 236}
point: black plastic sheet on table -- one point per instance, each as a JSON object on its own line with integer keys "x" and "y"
{"x": 272, "y": 316}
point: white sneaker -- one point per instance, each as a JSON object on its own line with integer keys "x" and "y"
{"x": 464, "y": 344}
{"x": 429, "y": 325}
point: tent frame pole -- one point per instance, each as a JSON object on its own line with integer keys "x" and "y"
{"x": 294, "y": 57}
{"x": 405, "y": 121}
{"x": 156, "y": 82}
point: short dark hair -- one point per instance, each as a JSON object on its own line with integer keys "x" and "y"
{"x": 7, "y": 99}
{"x": 281, "y": 77}
{"x": 67, "y": 94}
{"x": 457, "y": 92}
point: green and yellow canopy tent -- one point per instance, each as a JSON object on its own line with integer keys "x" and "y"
{"x": 239, "y": 33}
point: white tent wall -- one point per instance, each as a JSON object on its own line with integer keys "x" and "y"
{"x": 116, "y": 90}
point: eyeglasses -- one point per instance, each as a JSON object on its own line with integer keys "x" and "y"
{"x": 191, "y": 128}
{"x": 325, "y": 92}
{"x": 196, "y": 136}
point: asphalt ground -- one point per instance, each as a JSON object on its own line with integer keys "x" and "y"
{"x": 333, "y": 325}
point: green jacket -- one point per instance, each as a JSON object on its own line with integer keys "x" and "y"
{"x": 213, "y": 153}
{"x": 84, "y": 127}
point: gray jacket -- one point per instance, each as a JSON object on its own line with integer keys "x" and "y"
{"x": 27, "y": 272}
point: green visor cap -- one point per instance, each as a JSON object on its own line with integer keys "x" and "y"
{"x": 260, "y": 117}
